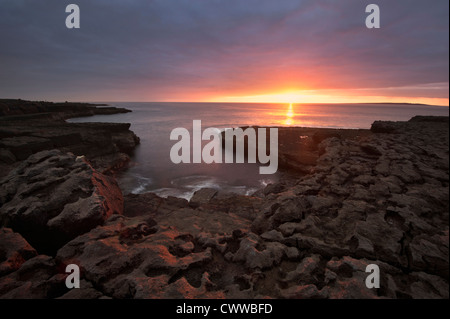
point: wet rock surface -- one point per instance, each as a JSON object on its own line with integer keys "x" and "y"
{"x": 377, "y": 197}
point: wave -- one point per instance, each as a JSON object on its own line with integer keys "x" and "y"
{"x": 186, "y": 186}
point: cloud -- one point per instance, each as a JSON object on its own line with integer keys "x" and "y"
{"x": 175, "y": 49}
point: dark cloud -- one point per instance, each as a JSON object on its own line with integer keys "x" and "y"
{"x": 155, "y": 50}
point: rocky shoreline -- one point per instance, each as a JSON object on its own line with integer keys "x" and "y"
{"x": 29, "y": 127}
{"x": 376, "y": 196}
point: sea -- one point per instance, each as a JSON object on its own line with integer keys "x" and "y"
{"x": 151, "y": 169}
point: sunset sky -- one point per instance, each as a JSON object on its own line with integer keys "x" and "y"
{"x": 289, "y": 51}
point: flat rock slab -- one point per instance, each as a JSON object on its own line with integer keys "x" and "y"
{"x": 202, "y": 196}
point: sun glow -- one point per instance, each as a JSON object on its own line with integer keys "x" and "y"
{"x": 290, "y": 112}
{"x": 325, "y": 97}
{"x": 289, "y": 115}
{"x": 296, "y": 97}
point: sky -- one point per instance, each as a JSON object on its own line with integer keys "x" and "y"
{"x": 292, "y": 51}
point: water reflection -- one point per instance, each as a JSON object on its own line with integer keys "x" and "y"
{"x": 289, "y": 115}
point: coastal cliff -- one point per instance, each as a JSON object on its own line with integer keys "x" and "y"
{"x": 56, "y": 110}
{"x": 376, "y": 196}
{"x": 29, "y": 127}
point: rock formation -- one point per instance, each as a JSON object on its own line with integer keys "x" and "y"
{"x": 52, "y": 197}
{"x": 372, "y": 197}
{"x": 108, "y": 146}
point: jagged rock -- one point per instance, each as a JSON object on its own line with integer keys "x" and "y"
{"x": 351, "y": 278}
{"x": 272, "y": 235}
{"x": 24, "y": 146}
{"x": 405, "y": 171}
{"x": 287, "y": 229}
{"x": 365, "y": 180}
{"x": 315, "y": 245}
{"x": 290, "y": 210}
{"x": 376, "y": 235}
{"x": 259, "y": 255}
{"x": 384, "y": 127}
{"x": 428, "y": 286}
{"x": 321, "y": 204}
{"x": 429, "y": 255}
{"x": 371, "y": 150}
{"x": 198, "y": 221}
{"x": 202, "y": 196}
{"x": 150, "y": 204}
{"x": 134, "y": 268}
{"x": 14, "y": 251}
{"x": 37, "y": 278}
{"x": 292, "y": 253}
{"x": 56, "y": 194}
{"x": 304, "y": 292}
{"x": 304, "y": 273}
{"x": 86, "y": 291}
{"x": 7, "y": 157}
{"x": 320, "y": 136}
{"x": 273, "y": 189}
{"x": 361, "y": 246}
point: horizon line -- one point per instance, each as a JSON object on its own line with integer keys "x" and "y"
{"x": 223, "y": 102}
